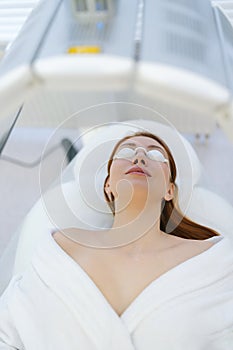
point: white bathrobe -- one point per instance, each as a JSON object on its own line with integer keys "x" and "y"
{"x": 55, "y": 305}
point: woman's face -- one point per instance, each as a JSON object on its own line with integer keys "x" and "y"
{"x": 135, "y": 170}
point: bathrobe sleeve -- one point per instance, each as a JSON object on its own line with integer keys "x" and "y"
{"x": 9, "y": 338}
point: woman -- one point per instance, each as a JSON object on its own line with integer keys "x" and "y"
{"x": 168, "y": 286}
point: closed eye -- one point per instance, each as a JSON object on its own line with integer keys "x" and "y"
{"x": 125, "y": 152}
{"x": 154, "y": 154}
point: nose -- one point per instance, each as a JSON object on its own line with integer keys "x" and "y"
{"x": 139, "y": 157}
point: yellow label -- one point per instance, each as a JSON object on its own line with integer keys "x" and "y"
{"x": 84, "y": 49}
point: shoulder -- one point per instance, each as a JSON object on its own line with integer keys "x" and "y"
{"x": 196, "y": 246}
{"x": 81, "y": 238}
{"x": 190, "y": 247}
{"x": 59, "y": 237}
{"x": 185, "y": 249}
{"x": 64, "y": 239}
{"x": 72, "y": 240}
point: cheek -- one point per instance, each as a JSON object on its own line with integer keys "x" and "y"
{"x": 117, "y": 172}
{"x": 166, "y": 173}
{"x": 160, "y": 169}
{"x": 161, "y": 174}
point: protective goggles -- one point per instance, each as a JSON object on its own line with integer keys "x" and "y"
{"x": 129, "y": 153}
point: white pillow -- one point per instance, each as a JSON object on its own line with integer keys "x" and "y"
{"x": 209, "y": 209}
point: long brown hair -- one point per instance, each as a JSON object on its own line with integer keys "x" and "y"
{"x": 172, "y": 221}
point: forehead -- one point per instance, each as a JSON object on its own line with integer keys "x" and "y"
{"x": 144, "y": 141}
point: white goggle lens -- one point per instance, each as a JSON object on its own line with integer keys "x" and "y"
{"x": 127, "y": 153}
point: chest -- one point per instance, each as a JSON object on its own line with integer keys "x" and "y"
{"x": 121, "y": 280}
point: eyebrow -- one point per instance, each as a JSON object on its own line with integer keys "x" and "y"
{"x": 132, "y": 144}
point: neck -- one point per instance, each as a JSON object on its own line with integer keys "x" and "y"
{"x": 137, "y": 215}
{"x": 137, "y": 227}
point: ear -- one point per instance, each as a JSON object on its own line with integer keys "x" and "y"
{"x": 107, "y": 188}
{"x": 170, "y": 192}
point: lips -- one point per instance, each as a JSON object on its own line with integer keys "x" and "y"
{"x": 137, "y": 170}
